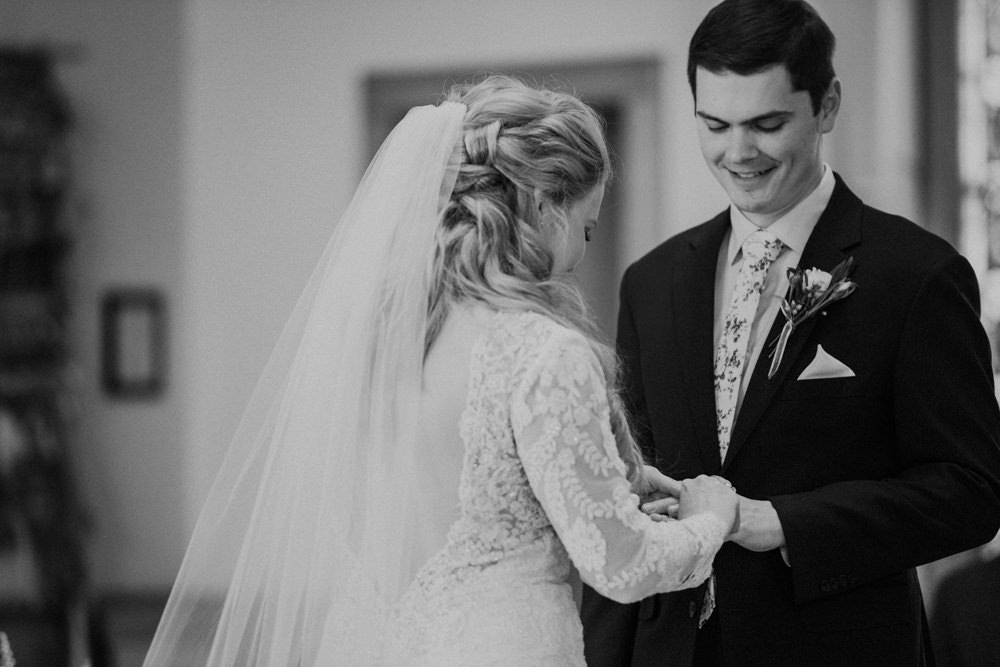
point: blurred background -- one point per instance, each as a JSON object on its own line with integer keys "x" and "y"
{"x": 170, "y": 170}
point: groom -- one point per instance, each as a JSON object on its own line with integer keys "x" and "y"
{"x": 868, "y": 446}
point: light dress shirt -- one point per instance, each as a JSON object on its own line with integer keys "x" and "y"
{"x": 794, "y": 229}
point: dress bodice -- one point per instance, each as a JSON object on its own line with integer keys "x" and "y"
{"x": 499, "y": 510}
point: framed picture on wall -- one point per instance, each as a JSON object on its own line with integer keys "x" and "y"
{"x": 133, "y": 335}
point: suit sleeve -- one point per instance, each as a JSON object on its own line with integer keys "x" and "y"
{"x": 945, "y": 495}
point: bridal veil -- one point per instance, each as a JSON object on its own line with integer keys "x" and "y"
{"x": 325, "y": 507}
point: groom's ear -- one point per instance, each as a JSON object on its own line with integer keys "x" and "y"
{"x": 829, "y": 107}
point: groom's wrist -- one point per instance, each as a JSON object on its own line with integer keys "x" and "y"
{"x": 760, "y": 528}
{"x": 771, "y": 529}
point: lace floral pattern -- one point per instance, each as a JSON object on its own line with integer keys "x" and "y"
{"x": 542, "y": 482}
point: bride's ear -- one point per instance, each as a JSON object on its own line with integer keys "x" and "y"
{"x": 542, "y": 208}
{"x": 539, "y": 201}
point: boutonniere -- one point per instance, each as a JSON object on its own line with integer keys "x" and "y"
{"x": 809, "y": 292}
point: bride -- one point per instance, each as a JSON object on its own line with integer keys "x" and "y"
{"x": 437, "y": 439}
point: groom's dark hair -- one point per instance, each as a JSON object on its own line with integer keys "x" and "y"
{"x": 749, "y": 36}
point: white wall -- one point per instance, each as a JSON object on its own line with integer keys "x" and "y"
{"x": 219, "y": 139}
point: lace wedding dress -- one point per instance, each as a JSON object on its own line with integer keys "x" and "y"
{"x": 542, "y": 485}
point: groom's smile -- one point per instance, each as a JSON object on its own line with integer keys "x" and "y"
{"x": 747, "y": 178}
{"x": 761, "y": 139}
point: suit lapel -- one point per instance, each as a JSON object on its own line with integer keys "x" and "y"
{"x": 693, "y": 319}
{"x": 838, "y": 229}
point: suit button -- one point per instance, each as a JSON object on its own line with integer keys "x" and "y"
{"x": 692, "y": 609}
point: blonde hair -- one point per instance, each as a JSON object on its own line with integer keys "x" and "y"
{"x": 523, "y": 148}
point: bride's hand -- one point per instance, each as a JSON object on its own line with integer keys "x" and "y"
{"x": 656, "y": 483}
{"x": 660, "y": 492}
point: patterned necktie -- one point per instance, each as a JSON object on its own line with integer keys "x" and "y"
{"x": 759, "y": 250}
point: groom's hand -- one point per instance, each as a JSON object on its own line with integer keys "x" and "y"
{"x": 760, "y": 529}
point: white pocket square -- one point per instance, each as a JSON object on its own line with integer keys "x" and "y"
{"x": 824, "y": 366}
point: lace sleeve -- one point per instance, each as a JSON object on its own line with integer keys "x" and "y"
{"x": 560, "y": 417}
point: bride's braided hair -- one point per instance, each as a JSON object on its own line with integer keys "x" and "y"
{"x": 522, "y": 148}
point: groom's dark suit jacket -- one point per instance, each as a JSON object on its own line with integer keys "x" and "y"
{"x": 871, "y": 475}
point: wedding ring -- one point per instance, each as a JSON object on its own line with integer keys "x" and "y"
{"x": 725, "y": 481}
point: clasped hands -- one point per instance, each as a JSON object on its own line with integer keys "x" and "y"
{"x": 754, "y": 523}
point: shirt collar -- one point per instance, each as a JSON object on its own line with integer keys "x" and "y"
{"x": 793, "y": 228}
